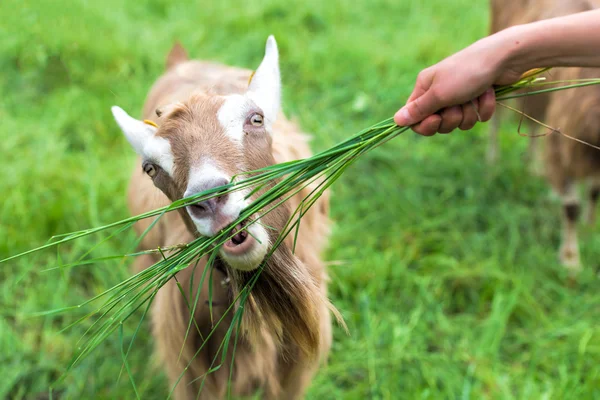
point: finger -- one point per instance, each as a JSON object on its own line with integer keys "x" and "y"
{"x": 416, "y": 93}
{"x": 429, "y": 126}
{"x": 418, "y": 109}
{"x": 451, "y": 119}
{"x": 422, "y": 85}
{"x": 402, "y": 118}
{"x": 487, "y": 105}
{"x": 470, "y": 115}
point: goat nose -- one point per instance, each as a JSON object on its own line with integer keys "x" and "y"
{"x": 209, "y": 207}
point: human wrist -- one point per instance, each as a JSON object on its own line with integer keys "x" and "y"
{"x": 517, "y": 52}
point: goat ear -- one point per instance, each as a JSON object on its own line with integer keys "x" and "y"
{"x": 176, "y": 56}
{"x": 137, "y": 132}
{"x": 265, "y": 86}
{"x": 166, "y": 109}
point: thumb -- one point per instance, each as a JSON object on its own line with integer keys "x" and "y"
{"x": 417, "y": 110}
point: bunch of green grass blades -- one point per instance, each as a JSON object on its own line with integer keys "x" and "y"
{"x": 280, "y": 182}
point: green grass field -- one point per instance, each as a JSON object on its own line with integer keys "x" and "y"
{"x": 444, "y": 268}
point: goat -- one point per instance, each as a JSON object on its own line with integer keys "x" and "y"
{"x": 504, "y": 14}
{"x": 215, "y": 122}
{"x": 574, "y": 112}
{"x": 567, "y": 162}
{"x": 507, "y": 13}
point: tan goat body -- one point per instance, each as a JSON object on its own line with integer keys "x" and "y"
{"x": 213, "y": 123}
{"x": 576, "y": 113}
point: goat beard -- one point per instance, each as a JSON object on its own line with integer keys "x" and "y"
{"x": 285, "y": 305}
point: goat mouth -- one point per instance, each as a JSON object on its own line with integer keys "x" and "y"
{"x": 239, "y": 242}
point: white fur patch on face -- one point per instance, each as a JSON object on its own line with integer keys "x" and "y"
{"x": 264, "y": 91}
{"x": 205, "y": 177}
{"x": 232, "y": 116}
{"x": 199, "y": 176}
{"x": 158, "y": 150}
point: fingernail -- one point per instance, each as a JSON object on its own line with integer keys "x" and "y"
{"x": 403, "y": 117}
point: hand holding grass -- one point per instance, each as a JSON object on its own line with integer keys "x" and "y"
{"x": 458, "y": 91}
{"x": 450, "y": 95}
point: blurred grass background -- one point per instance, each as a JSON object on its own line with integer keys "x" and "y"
{"x": 444, "y": 268}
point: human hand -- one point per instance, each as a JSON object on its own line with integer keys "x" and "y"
{"x": 458, "y": 92}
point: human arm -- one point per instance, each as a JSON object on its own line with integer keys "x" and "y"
{"x": 458, "y": 91}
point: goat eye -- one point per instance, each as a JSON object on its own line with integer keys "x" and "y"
{"x": 256, "y": 120}
{"x": 150, "y": 169}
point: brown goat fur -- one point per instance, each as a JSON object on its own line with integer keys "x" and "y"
{"x": 286, "y": 326}
{"x": 504, "y": 14}
{"x": 574, "y": 112}
{"x": 568, "y": 162}
{"x": 507, "y": 13}
{"x": 577, "y": 114}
